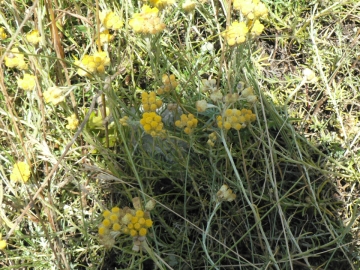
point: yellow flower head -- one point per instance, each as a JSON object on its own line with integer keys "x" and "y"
{"x": 261, "y": 11}
{"x": 209, "y": 85}
{"x": 2, "y": 243}
{"x": 236, "y": 119}
{"x": 111, "y": 21}
{"x": 161, "y": 4}
{"x": 169, "y": 82}
{"x": 257, "y": 28}
{"x": 212, "y": 139}
{"x": 54, "y": 95}
{"x": 152, "y": 124}
{"x": 33, "y": 37}
{"x": 236, "y": 34}
{"x": 201, "y": 105}
{"x": 15, "y": 59}
{"x": 2, "y": 33}
{"x": 147, "y": 22}
{"x": 225, "y": 194}
{"x": 73, "y": 122}
{"x": 189, "y": 6}
{"x": 28, "y": 82}
{"x": 93, "y": 64}
{"x": 124, "y": 120}
{"x": 150, "y": 205}
{"x": 142, "y": 232}
{"x": 149, "y": 101}
{"x": 251, "y": 9}
{"x": 21, "y": 172}
{"x": 105, "y": 37}
{"x": 188, "y": 122}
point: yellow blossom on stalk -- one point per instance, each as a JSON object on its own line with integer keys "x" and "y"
{"x": 225, "y": 194}
{"x": 102, "y": 60}
{"x": 201, "y": 105}
{"x": 133, "y": 222}
{"x": 188, "y": 122}
{"x": 124, "y": 120}
{"x": 21, "y": 172}
{"x": 209, "y": 85}
{"x": 309, "y": 75}
{"x": 149, "y": 102}
{"x": 246, "y": 7}
{"x": 2, "y": 243}
{"x": 169, "y": 82}
{"x": 73, "y": 122}
{"x": 33, "y": 37}
{"x": 110, "y": 20}
{"x": 236, "y": 119}
{"x": 216, "y": 96}
{"x": 251, "y": 9}
{"x": 261, "y": 11}
{"x": 147, "y": 22}
{"x": 257, "y": 28}
{"x": 231, "y": 98}
{"x": 95, "y": 63}
{"x": 28, "y": 82}
{"x": 236, "y": 33}
{"x": 189, "y": 6}
{"x": 105, "y": 37}
{"x": 152, "y": 124}
{"x": 161, "y": 4}
{"x": 15, "y": 59}
{"x": 150, "y": 205}
{"x": 248, "y": 94}
{"x": 54, "y": 95}
{"x": 2, "y": 33}
{"x": 212, "y": 139}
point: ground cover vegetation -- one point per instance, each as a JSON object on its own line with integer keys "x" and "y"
{"x": 179, "y": 134}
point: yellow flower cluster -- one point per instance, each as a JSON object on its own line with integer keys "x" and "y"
{"x": 188, "y": 6}
{"x": 187, "y": 122}
{"x": 161, "y": 4}
{"x": 93, "y": 64}
{"x": 134, "y": 222}
{"x": 2, "y": 33}
{"x": 251, "y": 9}
{"x": 33, "y": 37}
{"x": 73, "y": 122}
{"x": 201, "y": 105}
{"x": 149, "y": 102}
{"x": 152, "y": 124}
{"x": 236, "y": 33}
{"x": 124, "y": 120}
{"x": 225, "y": 194}
{"x": 54, "y": 95}
{"x": 248, "y": 94}
{"x": 21, "y": 172}
{"x": 15, "y": 59}
{"x": 169, "y": 82}
{"x": 212, "y": 139}
{"x": 127, "y": 221}
{"x": 147, "y": 22}
{"x": 257, "y": 28}
{"x": 231, "y": 98}
{"x": 236, "y": 119}
{"x": 110, "y": 20}
{"x": 2, "y": 243}
{"x": 28, "y": 82}
{"x": 105, "y": 37}
{"x": 309, "y": 75}
{"x": 209, "y": 85}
